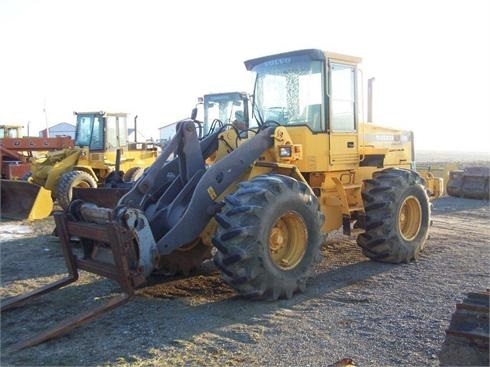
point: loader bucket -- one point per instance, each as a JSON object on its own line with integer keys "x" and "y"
{"x": 24, "y": 200}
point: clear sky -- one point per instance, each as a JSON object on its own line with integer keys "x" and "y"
{"x": 430, "y": 58}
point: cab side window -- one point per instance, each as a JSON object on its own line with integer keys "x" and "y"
{"x": 112, "y": 141}
{"x": 97, "y": 142}
{"x": 342, "y": 94}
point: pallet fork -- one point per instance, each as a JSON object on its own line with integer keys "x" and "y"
{"x": 119, "y": 240}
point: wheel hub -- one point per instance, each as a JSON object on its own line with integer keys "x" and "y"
{"x": 410, "y": 218}
{"x": 276, "y": 240}
{"x": 288, "y": 241}
{"x": 82, "y": 185}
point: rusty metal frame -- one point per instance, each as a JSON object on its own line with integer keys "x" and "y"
{"x": 119, "y": 240}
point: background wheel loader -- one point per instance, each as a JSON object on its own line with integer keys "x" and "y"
{"x": 17, "y": 151}
{"x": 102, "y": 155}
{"x": 264, "y": 201}
{"x": 223, "y": 108}
{"x": 13, "y": 163}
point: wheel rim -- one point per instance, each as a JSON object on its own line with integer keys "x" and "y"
{"x": 78, "y": 185}
{"x": 189, "y": 246}
{"x": 410, "y": 218}
{"x": 288, "y": 241}
{"x": 83, "y": 185}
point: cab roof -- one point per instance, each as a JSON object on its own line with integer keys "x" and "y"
{"x": 101, "y": 113}
{"x": 314, "y": 54}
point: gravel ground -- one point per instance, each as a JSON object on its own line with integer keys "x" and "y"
{"x": 376, "y": 314}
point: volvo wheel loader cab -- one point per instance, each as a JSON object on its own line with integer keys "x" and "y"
{"x": 102, "y": 155}
{"x": 265, "y": 200}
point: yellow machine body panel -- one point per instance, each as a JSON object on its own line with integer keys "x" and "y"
{"x": 101, "y": 164}
{"x": 55, "y": 171}
{"x": 46, "y": 169}
{"x": 396, "y": 146}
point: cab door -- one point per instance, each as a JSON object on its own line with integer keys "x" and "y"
{"x": 344, "y": 148}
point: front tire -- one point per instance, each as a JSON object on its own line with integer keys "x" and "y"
{"x": 69, "y": 180}
{"x": 185, "y": 259}
{"x": 268, "y": 237}
{"x": 397, "y": 216}
{"x": 133, "y": 174}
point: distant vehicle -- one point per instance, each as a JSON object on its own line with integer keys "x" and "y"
{"x": 102, "y": 154}
{"x": 471, "y": 182}
{"x": 224, "y": 108}
{"x": 17, "y": 151}
{"x": 10, "y": 131}
{"x": 215, "y": 110}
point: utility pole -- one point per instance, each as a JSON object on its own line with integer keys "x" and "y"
{"x": 46, "y": 118}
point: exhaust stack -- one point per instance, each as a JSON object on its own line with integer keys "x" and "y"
{"x": 370, "y": 100}
{"x": 135, "y": 129}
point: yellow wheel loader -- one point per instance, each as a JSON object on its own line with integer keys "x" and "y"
{"x": 225, "y": 108}
{"x": 102, "y": 156}
{"x": 263, "y": 199}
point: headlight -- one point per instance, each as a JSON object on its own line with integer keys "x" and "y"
{"x": 285, "y": 151}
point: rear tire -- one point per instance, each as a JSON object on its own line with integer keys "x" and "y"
{"x": 68, "y": 181}
{"x": 268, "y": 237}
{"x": 397, "y": 216}
{"x": 132, "y": 174}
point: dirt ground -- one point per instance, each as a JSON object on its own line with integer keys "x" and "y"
{"x": 353, "y": 307}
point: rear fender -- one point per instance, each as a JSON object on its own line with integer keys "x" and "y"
{"x": 435, "y": 185}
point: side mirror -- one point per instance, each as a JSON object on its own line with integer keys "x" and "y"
{"x": 194, "y": 113}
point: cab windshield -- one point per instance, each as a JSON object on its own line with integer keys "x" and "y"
{"x": 288, "y": 91}
{"x": 90, "y": 132}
